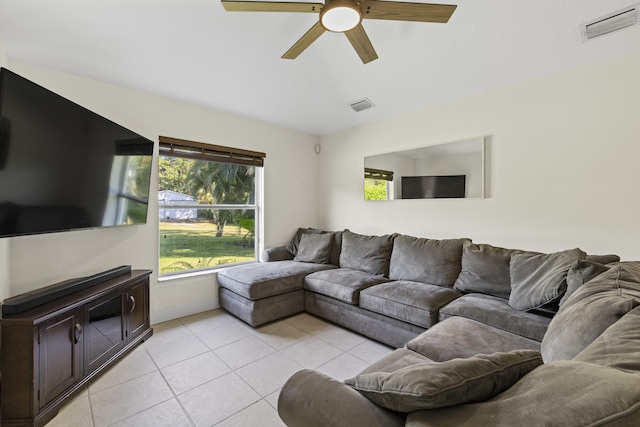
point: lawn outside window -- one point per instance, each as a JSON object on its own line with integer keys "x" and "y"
{"x": 209, "y": 206}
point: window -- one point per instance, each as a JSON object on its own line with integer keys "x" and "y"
{"x": 378, "y": 184}
{"x": 209, "y": 205}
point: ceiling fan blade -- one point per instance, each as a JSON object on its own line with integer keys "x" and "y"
{"x": 270, "y": 6}
{"x": 305, "y": 41}
{"x": 401, "y": 11}
{"x": 361, "y": 43}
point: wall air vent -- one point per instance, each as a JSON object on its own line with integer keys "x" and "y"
{"x": 612, "y": 22}
{"x": 361, "y": 105}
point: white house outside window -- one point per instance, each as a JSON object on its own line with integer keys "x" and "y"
{"x": 209, "y": 205}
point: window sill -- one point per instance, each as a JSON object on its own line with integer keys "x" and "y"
{"x": 197, "y": 273}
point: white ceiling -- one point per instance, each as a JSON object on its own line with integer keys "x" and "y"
{"x": 194, "y": 51}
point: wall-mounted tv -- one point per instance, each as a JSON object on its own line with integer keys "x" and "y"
{"x": 63, "y": 167}
{"x": 433, "y": 187}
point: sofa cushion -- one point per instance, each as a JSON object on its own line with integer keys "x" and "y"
{"x": 603, "y": 259}
{"x": 580, "y": 273}
{"x": 485, "y": 269}
{"x": 591, "y": 310}
{"x": 336, "y": 248}
{"x": 314, "y": 248}
{"x": 261, "y": 280}
{"x": 497, "y": 312}
{"x": 260, "y": 311}
{"x": 555, "y": 394}
{"x": 538, "y": 279}
{"x": 397, "y": 359}
{"x": 366, "y": 253}
{"x": 436, "y": 262}
{"x": 431, "y": 385}
{"x": 412, "y": 302}
{"x": 460, "y": 337}
{"x": 618, "y": 347}
{"x": 278, "y": 253}
{"x": 343, "y": 284}
{"x": 292, "y": 246}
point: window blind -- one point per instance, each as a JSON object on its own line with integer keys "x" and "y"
{"x": 202, "y": 151}
{"x": 378, "y": 174}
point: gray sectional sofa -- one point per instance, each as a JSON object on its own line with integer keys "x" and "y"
{"x": 392, "y": 288}
{"x": 485, "y": 336}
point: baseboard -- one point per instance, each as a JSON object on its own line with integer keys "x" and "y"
{"x": 176, "y": 312}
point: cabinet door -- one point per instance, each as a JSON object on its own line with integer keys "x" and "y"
{"x": 138, "y": 300}
{"x": 104, "y": 329}
{"x": 60, "y": 355}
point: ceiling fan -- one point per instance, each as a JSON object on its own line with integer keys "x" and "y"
{"x": 345, "y": 16}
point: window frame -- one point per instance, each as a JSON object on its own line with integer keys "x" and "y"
{"x": 178, "y": 148}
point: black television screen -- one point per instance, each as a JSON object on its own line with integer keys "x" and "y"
{"x": 63, "y": 167}
{"x": 433, "y": 187}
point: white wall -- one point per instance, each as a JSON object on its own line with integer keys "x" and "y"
{"x": 562, "y": 158}
{"x": 562, "y": 165}
{"x": 3, "y": 54}
{"x": 290, "y": 176}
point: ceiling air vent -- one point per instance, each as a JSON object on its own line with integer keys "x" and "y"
{"x": 361, "y": 105}
{"x": 612, "y": 22}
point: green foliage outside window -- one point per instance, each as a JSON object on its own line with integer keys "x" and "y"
{"x": 215, "y": 236}
{"x": 375, "y": 189}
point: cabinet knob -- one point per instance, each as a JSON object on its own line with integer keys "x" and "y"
{"x": 133, "y": 303}
{"x": 77, "y": 331}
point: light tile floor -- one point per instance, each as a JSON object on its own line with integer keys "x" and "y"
{"x": 211, "y": 369}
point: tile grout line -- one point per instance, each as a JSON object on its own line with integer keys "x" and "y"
{"x": 285, "y": 334}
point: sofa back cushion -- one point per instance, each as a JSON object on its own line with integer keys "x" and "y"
{"x": 592, "y": 309}
{"x": 336, "y": 248}
{"x": 436, "y": 262}
{"x": 603, "y": 259}
{"x": 539, "y": 279}
{"x": 580, "y": 273}
{"x": 618, "y": 347}
{"x": 366, "y": 253}
{"x": 485, "y": 269}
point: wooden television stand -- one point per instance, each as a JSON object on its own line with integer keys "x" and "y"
{"x": 57, "y": 339}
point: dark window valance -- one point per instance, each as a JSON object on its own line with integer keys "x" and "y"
{"x": 202, "y": 151}
{"x": 378, "y": 174}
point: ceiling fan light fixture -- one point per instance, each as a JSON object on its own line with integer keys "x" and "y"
{"x": 340, "y": 16}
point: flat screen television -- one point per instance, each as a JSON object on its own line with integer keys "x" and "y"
{"x": 63, "y": 167}
{"x": 433, "y": 187}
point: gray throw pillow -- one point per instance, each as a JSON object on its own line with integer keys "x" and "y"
{"x": 485, "y": 269}
{"x": 366, "y": 253}
{"x": 292, "y": 247}
{"x": 539, "y": 279}
{"x": 580, "y": 273}
{"x": 314, "y": 248}
{"x": 439, "y": 384}
{"x": 436, "y": 262}
{"x": 594, "y": 307}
